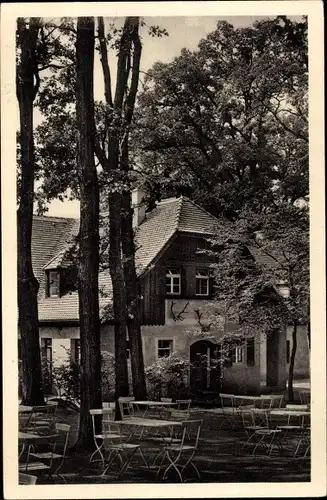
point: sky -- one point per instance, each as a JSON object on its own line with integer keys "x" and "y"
{"x": 184, "y": 32}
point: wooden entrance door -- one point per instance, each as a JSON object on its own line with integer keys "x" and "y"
{"x": 205, "y": 372}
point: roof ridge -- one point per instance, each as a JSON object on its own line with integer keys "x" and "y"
{"x": 201, "y": 208}
{"x": 179, "y": 211}
{"x": 54, "y": 218}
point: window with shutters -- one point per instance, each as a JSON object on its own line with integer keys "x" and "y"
{"x": 54, "y": 284}
{"x": 250, "y": 352}
{"x": 173, "y": 282}
{"x": 238, "y": 354}
{"x": 46, "y": 349}
{"x": 76, "y": 350}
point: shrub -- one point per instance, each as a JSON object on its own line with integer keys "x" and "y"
{"x": 167, "y": 376}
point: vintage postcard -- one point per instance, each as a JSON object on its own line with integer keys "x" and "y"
{"x": 163, "y": 249}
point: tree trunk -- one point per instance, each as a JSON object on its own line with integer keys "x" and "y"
{"x": 292, "y": 361}
{"x": 133, "y": 301}
{"x": 27, "y": 283}
{"x": 119, "y": 296}
{"x": 89, "y": 233}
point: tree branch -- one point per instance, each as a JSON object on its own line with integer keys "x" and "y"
{"x": 104, "y": 62}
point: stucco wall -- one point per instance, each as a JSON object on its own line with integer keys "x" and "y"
{"x": 302, "y": 357}
{"x": 61, "y": 340}
{"x": 237, "y": 378}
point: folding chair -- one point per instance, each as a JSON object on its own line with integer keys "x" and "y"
{"x": 125, "y": 407}
{"x": 36, "y": 466}
{"x": 105, "y": 430}
{"x": 180, "y": 455}
{"x": 267, "y": 436}
{"x": 269, "y": 402}
{"x": 228, "y": 410}
{"x": 163, "y": 411}
{"x": 43, "y": 417}
{"x": 121, "y": 450}
{"x": 57, "y": 455}
{"x": 26, "y": 478}
{"x": 298, "y": 426}
{"x": 250, "y": 426}
{"x": 183, "y": 404}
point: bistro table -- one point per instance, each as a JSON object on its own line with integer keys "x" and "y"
{"x": 152, "y": 423}
{"x": 154, "y": 404}
{"x": 25, "y": 409}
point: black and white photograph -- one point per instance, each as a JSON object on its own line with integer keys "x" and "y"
{"x": 163, "y": 250}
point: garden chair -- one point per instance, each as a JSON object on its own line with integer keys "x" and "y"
{"x": 26, "y": 478}
{"x": 252, "y": 422}
{"x": 297, "y": 427}
{"x": 266, "y": 436}
{"x": 183, "y": 404}
{"x": 273, "y": 401}
{"x": 125, "y": 407}
{"x": 42, "y": 419}
{"x": 180, "y": 455}
{"x": 56, "y": 456}
{"x": 101, "y": 437}
{"x": 36, "y": 466}
{"x": 228, "y": 410}
{"x": 120, "y": 450}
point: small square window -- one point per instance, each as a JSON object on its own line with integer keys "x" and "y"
{"x": 165, "y": 348}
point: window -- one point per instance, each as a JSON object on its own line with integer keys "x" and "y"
{"x": 288, "y": 350}
{"x": 46, "y": 349}
{"x": 165, "y": 348}
{"x": 202, "y": 282}
{"x": 53, "y": 284}
{"x": 173, "y": 282}
{"x": 238, "y": 354}
{"x": 250, "y": 353}
{"x": 76, "y": 350}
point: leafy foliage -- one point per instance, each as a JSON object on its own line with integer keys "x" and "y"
{"x": 228, "y": 122}
{"x": 167, "y": 374}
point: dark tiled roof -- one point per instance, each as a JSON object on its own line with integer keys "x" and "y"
{"x": 52, "y": 236}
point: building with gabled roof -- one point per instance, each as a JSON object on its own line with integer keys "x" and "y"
{"x": 175, "y": 283}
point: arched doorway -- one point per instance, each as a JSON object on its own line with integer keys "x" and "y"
{"x": 205, "y": 368}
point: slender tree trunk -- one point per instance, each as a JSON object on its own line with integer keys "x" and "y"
{"x": 119, "y": 296}
{"x": 89, "y": 233}
{"x": 292, "y": 362}
{"x": 133, "y": 301}
{"x": 27, "y": 283}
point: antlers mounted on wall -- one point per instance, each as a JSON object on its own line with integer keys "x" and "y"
{"x": 178, "y": 316}
{"x": 204, "y": 328}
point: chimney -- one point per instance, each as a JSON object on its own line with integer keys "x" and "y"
{"x": 139, "y": 206}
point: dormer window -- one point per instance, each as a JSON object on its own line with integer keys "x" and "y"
{"x": 54, "y": 284}
{"x": 173, "y": 282}
{"x": 202, "y": 282}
